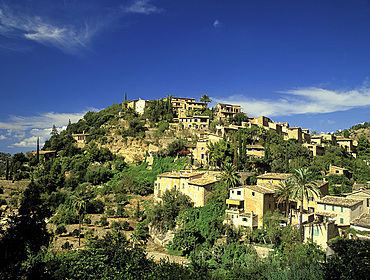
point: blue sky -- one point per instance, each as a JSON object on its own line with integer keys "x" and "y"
{"x": 305, "y": 62}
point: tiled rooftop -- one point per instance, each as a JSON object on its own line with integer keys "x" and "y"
{"x": 203, "y": 181}
{"x": 261, "y": 189}
{"x": 363, "y": 221}
{"x": 340, "y": 201}
{"x": 180, "y": 174}
{"x": 275, "y": 176}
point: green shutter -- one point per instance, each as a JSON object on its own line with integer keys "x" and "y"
{"x": 341, "y": 220}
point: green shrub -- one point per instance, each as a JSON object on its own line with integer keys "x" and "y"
{"x": 67, "y": 246}
{"x": 110, "y": 212}
{"x": 75, "y": 233}
{"x": 121, "y": 212}
{"x": 60, "y": 230}
{"x": 104, "y": 221}
{"x": 87, "y": 221}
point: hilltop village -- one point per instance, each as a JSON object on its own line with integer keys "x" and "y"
{"x": 225, "y": 190}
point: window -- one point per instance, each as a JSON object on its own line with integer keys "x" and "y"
{"x": 238, "y": 192}
{"x": 368, "y": 202}
{"x": 333, "y": 208}
{"x": 195, "y": 196}
{"x": 324, "y": 206}
{"x": 244, "y": 219}
{"x": 202, "y": 148}
{"x": 315, "y": 232}
{"x": 175, "y": 186}
{"x": 341, "y": 220}
{"x": 159, "y": 186}
{"x": 341, "y": 209}
{"x": 183, "y": 185}
{"x": 232, "y": 191}
{"x": 232, "y": 216}
{"x": 202, "y": 156}
{"x": 253, "y": 194}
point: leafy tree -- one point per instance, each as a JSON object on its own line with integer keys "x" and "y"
{"x": 230, "y": 176}
{"x": 350, "y": 260}
{"x": 24, "y": 236}
{"x": 220, "y": 152}
{"x": 79, "y": 204}
{"x": 238, "y": 119}
{"x": 302, "y": 190}
{"x": 205, "y": 98}
{"x": 283, "y": 193}
{"x": 162, "y": 215}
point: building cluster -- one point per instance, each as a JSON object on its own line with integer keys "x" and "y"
{"x": 324, "y": 217}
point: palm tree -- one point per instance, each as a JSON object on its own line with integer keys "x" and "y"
{"x": 205, "y": 98}
{"x": 79, "y": 204}
{"x": 230, "y": 175}
{"x": 283, "y": 193}
{"x": 302, "y": 190}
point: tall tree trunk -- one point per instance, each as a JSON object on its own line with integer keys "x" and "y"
{"x": 301, "y": 222}
{"x": 286, "y": 208}
{"x": 79, "y": 230}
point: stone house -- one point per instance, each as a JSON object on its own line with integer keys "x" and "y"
{"x": 138, "y": 105}
{"x": 272, "y": 179}
{"x": 320, "y": 231}
{"x": 363, "y": 195}
{"x": 339, "y": 171}
{"x": 362, "y": 222}
{"x": 197, "y": 122}
{"x": 196, "y": 185}
{"x": 342, "y": 210}
{"x": 224, "y": 111}
{"x": 80, "y": 139}
{"x": 247, "y": 205}
{"x": 317, "y": 150}
{"x": 181, "y": 106}
{"x": 255, "y": 150}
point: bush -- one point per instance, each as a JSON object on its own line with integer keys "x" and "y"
{"x": 126, "y": 226}
{"x": 110, "y": 212}
{"x": 104, "y": 221}
{"x": 89, "y": 234}
{"x": 87, "y": 221}
{"x": 75, "y": 233}
{"x": 67, "y": 246}
{"x": 60, "y": 230}
{"x": 121, "y": 212}
{"x": 95, "y": 206}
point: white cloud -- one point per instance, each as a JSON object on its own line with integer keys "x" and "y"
{"x": 25, "y": 130}
{"x": 217, "y": 23}
{"x": 66, "y": 37}
{"x": 142, "y": 7}
{"x": 310, "y": 100}
{"x": 43, "y": 121}
{"x": 26, "y": 143}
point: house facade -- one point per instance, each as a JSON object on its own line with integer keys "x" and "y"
{"x": 224, "y": 111}
{"x": 342, "y": 210}
{"x": 196, "y": 185}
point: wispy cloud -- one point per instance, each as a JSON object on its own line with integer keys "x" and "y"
{"x": 66, "y": 37}
{"x": 23, "y": 131}
{"x": 217, "y": 23}
{"x": 311, "y": 100}
{"x": 142, "y": 7}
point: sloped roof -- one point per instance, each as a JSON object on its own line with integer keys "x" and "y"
{"x": 281, "y": 176}
{"x": 261, "y": 189}
{"x": 363, "y": 220}
{"x": 340, "y": 201}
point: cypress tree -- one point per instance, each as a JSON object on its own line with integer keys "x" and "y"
{"x": 7, "y": 170}
{"x": 38, "y": 150}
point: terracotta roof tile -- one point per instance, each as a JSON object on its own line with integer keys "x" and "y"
{"x": 340, "y": 201}
{"x": 363, "y": 220}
